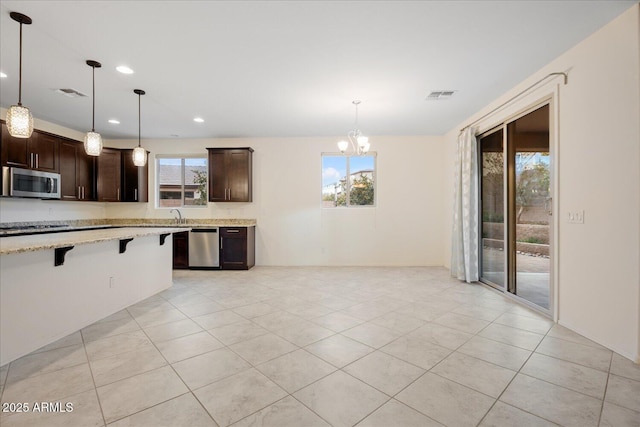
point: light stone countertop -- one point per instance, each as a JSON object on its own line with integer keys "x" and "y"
{"x": 20, "y": 228}
{"x": 36, "y": 242}
{"x": 161, "y": 222}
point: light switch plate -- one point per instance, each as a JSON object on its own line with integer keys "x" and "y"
{"x": 576, "y": 217}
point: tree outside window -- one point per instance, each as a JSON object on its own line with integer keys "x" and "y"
{"x": 348, "y": 180}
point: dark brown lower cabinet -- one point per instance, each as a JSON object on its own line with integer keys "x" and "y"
{"x": 237, "y": 248}
{"x": 181, "y": 250}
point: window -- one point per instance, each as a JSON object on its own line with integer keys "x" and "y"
{"x": 358, "y": 190}
{"x": 182, "y": 181}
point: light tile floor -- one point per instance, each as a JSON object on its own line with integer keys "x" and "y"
{"x": 308, "y": 347}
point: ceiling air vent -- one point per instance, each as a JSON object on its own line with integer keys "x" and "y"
{"x": 71, "y": 93}
{"x": 436, "y": 95}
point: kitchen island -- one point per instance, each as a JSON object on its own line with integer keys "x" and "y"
{"x": 54, "y": 284}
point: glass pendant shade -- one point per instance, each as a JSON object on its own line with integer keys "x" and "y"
{"x": 19, "y": 121}
{"x": 343, "y": 145}
{"x": 139, "y": 156}
{"x": 93, "y": 143}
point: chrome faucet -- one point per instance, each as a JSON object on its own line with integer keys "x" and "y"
{"x": 179, "y": 217}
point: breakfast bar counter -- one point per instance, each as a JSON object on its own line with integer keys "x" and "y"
{"x": 54, "y": 284}
{"x": 40, "y": 241}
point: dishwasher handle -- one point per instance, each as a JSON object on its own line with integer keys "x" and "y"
{"x": 204, "y": 230}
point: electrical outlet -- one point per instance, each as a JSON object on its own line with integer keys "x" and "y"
{"x": 112, "y": 282}
{"x": 576, "y": 217}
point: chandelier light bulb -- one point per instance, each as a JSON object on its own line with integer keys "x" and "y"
{"x": 343, "y": 145}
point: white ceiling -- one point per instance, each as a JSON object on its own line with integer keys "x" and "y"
{"x": 282, "y": 68}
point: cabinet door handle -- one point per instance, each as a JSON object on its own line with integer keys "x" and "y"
{"x": 135, "y": 194}
{"x": 31, "y": 165}
{"x": 37, "y": 161}
{"x": 229, "y": 194}
{"x": 83, "y": 192}
{"x": 79, "y": 192}
{"x": 233, "y": 231}
{"x": 118, "y": 194}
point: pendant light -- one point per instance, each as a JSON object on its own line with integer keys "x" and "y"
{"x": 19, "y": 118}
{"x": 93, "y": 140}
{"x": 359, "y": 142}
{"x": 139, "y": 153}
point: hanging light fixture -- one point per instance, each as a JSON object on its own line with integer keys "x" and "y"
{"x": 359, "y": 142}
{"x": 93, "y": 140}
{"x": 139, "y": 153}
{"x": 19, "y": 118}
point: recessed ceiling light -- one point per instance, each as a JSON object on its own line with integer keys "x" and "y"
{"x": 2, "y": 75}
{"x": 114, "y": 121}
{"x": 198, "y": 120}
{"x": 124, "y": 69}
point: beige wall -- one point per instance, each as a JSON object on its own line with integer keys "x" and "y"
{"x": 599, "y": 172}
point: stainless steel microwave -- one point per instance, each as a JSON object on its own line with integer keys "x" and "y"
{"x": 18, "y": 182}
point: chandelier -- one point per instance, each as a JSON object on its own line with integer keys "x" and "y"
{"x": 359, "y": 142}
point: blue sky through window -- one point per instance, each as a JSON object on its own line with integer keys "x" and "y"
{"x": 334, "y": 168}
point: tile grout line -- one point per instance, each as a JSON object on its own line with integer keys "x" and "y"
{"x": 95, "y": 388}
{"x": 606, "y": 386}
{"x": 512, "y": 379}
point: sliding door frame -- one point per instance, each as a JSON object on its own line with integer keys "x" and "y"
{"x": 505, "y": 251}
{"x": 501, "y": 122}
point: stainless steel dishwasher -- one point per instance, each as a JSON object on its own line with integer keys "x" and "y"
{"x": 204, "y": 248}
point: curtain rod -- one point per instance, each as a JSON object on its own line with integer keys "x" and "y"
{"x": 566, "y": 80}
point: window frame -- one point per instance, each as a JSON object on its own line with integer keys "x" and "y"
{"x": 348, "y": 205}
{"x": 182, "y": 158}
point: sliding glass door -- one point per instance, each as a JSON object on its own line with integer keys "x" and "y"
{"x": 492, "y": 225}
{"x": 516, "y": 204}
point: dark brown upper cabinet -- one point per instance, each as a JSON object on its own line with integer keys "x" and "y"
{"x": 230, "y": 174}
{"x": 40, "y": 151}
{"x": 77, "y": 172}
{"x": 109, "y": 167}
{"x": 135, "y": 179}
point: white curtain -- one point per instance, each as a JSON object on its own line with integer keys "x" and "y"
{"x": 464, "y": 247}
